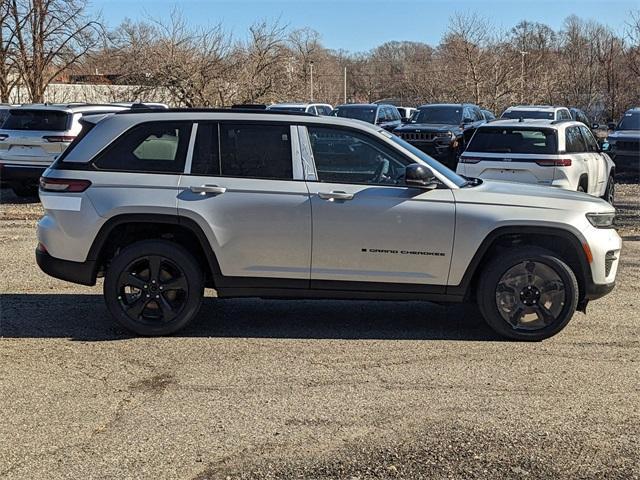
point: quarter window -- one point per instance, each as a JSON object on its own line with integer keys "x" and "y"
{"x": 343, "y": 156}
{"x": 149, "y": 147}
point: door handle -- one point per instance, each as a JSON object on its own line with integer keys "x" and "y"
{"x": 335, "y": 195}
{"x": 204, "y": 189}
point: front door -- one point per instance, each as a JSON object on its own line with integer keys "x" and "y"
{"x": 240, "y": 188}
{"x": 368, "y": 226}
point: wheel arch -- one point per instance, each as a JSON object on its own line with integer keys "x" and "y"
{"x": 560, "y": 241}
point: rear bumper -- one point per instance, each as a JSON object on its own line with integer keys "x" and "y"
{"x": 83, "y": 273}
{"x": 16, "y": 173}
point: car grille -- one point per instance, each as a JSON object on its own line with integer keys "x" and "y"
{"x": 418, "y": 136}
{"x": 609, "y": 258}
{"x": 628, "y": 145}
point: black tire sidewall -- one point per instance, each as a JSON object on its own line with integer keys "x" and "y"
{"x": 171, "y": 251}
{"x": 494, "y": 271}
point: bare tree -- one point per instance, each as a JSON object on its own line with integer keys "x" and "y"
{"x": 8, "y": 72}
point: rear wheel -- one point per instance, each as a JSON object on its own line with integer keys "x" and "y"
{"x": 527, "y": 294}
{"x": 153, "y": 287}
{"x": 609, "y": 193}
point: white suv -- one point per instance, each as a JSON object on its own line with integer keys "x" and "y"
{"x": 537, "y": 112}
{"x": 313, "y": 108}
{"x": 561, "y": 154}
{"x": 266, "y": 204}
{"x": 33, "y": 135}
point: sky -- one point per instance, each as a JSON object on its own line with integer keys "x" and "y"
{"x": 360, "y": 25}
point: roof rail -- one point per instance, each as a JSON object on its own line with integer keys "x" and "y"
{"x": 213, "y": 110}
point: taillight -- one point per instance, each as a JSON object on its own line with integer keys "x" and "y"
{"x": 470, "y": 159}
{"x": 3, "y": 137}
{"x": 563, "y": 162}
{"x": 59, "y": 138}
{"x": 63, "y": 184}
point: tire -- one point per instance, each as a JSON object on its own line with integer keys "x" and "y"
{"x": 609, "y": 193}
{"x": 25, "y": 191}
{"x": 501, "y": 284}
{"x": 139, "y": 299}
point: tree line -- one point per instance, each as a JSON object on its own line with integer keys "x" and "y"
{"x": 584, "y": 64}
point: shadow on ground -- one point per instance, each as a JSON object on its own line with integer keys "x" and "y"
{"x": 85, "y": 318}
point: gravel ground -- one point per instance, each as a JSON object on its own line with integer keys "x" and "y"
{"x": 311, "y": 389}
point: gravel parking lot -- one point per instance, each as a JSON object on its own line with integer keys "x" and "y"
{"x": 311, "y": 389}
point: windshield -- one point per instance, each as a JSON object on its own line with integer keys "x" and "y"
{"x": 530, "y": 114}
{"x": 366, "y": 114}
{"x": 630, "y": 121}
{"x": 513, "y": 140}
{"x": 288, "y": 109}
{"x": 432, "y": 163}
{"x": 50, "y": 120}
{"x": 438, "y": 114}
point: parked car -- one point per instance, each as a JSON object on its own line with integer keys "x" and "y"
{"x": 406, "y": 113}
{"x": 623, "y": 143}
{"x": 561, "y": 154}
{"x": 165, "y": 203}
{"x": 385, "y": 116}
{"x": 441, "y": 130}
{"x": 579, "y": 116}
{"x": 488, "y": 115}
{"x": 32, "y": 136}
{"x": 314, "y": 108}
{"x": 537, "y": 112}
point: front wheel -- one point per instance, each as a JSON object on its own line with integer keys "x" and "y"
{"x": 527, "y": 294}
{"x": 154, "y": 287}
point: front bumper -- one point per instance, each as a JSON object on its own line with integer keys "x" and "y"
{"x": 594, "y": 291}
{"x": 83, "y": 273}
{"x": 445, "y": 153}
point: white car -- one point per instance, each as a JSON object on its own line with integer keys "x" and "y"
{"x": 537, "y": 112}
{"x": 265, "y": 204}
{"x": 32, "y": 136}
{"x": 313, "y": 108}
{"x": 561, "y": 154}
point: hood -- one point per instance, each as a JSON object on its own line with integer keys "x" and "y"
{"x": 496, "y": 192}
{"x": 620, "y": 134}
{"x": 427, "y": 127}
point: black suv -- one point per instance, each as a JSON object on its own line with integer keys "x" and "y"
{"x": 385, "y": 116}
{"x": 623, "y": 144}
{"x": 442, "y": 130}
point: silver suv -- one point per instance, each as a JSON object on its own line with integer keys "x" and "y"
{"x": 266, "y": 204}
{"x": 33, "y": 135}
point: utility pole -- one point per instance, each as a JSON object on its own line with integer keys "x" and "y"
{"x": 523, "y": 53}
{"x": 345, "y": 85}
{"x": 311, "y": 75}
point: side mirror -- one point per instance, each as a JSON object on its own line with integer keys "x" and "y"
{"x": 420, "y": 176}
{"x": 595, "y": 126}
{"x": 605, "y": 147}
{"x": 611, "y": 125}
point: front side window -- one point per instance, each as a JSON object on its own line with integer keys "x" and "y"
{"x": 344, "y": 156}
{"x": 513, "y": 140}
{"x": 574, "y": 140}
{"x": 256, "y": 151}
{"x": 149, "y": 147}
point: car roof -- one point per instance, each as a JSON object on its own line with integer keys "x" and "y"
{"x": 536, "y": 108}
{"x": 72, "y": 107}
{"x": 456, "y": 105}
{"x": 510, "y": 122}
{"x": 369, "y": 105}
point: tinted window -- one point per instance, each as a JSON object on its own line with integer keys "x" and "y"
{"x": 438, "y": 114}
{"x": 344, "y": 156}
{"x": 255, "y": 151}
{"x": 630, "y": 121}
{"x": 564, "y": 115}
{"x": 532, "y": 114}
{"x": 49, "y": 120}
{"x": 575, "y": 142}
{"x": 288, "y": 109}
{"x": 592, "y": 144}
{"x": 365, "y": 113}
{"x": 206, "y": 151}
{"x": 149, "y": 147}
{"x": 3, "y": 116}
{"x": 478, "y": 114}
{"x": 513, "y": 140}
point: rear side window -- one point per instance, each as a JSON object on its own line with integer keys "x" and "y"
{"x": 43, "y": 120}
{"x": 513, "y": 140}
{"x": 149, "y": 147}
{"x": 255, "y": 151}
{"x": 574, "y": 140}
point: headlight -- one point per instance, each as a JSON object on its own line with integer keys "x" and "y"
{"x": 601, "y": 220}
{"x": 447, "y": 134}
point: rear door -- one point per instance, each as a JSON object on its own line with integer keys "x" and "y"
{"x": 576, "y": 145}
{"x": 245, "y": 188}
{"x": 597, "y": 163}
